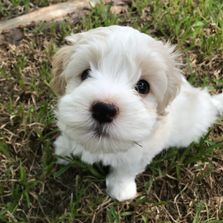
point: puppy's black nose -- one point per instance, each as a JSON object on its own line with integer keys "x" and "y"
{"x": 103, "y": 112}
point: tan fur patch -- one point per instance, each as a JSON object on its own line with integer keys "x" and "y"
{"x": 59, "y": 62}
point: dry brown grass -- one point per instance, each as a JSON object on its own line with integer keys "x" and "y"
{"x": 179, "y": 186}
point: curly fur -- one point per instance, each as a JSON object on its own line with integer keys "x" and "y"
{"x": 174, "y": 113}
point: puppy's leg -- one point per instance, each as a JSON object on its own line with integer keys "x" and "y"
{"x": 217, "y": 100}
{"x": 63, "y": 148}
{"x": 192, "y": 113}
{"x": 121, "y": 182}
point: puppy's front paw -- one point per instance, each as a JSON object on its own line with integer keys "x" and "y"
{"x": 62, "y": 149}
{"x": 62, "y": 161}
{"x": 121, "y": 189}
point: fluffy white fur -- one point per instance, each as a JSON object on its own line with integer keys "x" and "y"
{"x": 174, "y": 113}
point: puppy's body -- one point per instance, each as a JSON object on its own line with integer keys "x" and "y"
{"x": 171, "y": 113}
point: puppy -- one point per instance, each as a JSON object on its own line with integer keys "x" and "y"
{"x": 123, "y": 100}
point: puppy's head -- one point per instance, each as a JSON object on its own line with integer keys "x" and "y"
{"x": 114, "y": 82}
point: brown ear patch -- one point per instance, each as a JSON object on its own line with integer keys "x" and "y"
{"x": 173, "y": 87}
{"x": 59, "y": 62}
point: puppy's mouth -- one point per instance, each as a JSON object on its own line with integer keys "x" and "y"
{"x": 100, "y": 131}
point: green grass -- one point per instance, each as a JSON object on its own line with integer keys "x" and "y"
{"x": 178, "y": 186}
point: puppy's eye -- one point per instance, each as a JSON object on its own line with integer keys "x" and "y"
{"x": 142, "y": 87}
{"x": 85, "y": 74}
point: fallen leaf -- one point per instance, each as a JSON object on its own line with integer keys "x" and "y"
{"x": 116, "y": 9}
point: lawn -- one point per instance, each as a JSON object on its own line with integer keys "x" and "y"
{"x": 178, "y": 186}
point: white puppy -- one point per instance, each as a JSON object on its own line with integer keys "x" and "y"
{"x": 123, "y": 100}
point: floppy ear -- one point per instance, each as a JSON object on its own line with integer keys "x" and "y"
{"x": 59, "y": 62}
{"x": 173, "y": 88}
{"x": 173, "y": 78}
{"x": 62, "y": 57}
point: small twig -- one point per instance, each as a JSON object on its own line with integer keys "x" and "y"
{"x": 52, "y": 12}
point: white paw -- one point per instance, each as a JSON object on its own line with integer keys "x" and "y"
{"x": 60, "y": 156}
{"x": 62, "y": 161}
{"x": 62, "y": 149}
{"x": 121, "y": 190}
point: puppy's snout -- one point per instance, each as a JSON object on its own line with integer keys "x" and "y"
{"x": 104, "y": 112}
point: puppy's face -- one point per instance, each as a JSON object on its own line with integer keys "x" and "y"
{"x": 114, "y": 82}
